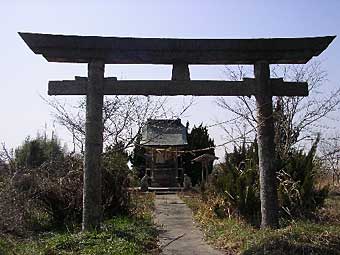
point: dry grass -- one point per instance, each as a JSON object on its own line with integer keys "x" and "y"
{"x": 235, "y": 236}
{"x": 142, "y": 204}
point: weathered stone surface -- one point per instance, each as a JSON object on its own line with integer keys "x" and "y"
{"x": 180, "y": 72}
{"x": 120, "y": 50}
{"x": 187, "y": 184}
{"x": 266, "y": 148}
{"x": 92, "y": 192}
{"x": 173, "y": 88}
{"x": 178, "y": 234}
{"x": 144, "y": 183}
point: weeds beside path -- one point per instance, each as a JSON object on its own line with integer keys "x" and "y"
{"x": 237, "y": 237}
{"x": 125, "y": 235}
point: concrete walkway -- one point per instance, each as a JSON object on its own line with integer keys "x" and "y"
{"x": 178, "y": 235}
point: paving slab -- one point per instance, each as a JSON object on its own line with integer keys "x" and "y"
{"x": 178, "y": 233}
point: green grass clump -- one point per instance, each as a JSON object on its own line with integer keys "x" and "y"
{"x": 120, "y": 235}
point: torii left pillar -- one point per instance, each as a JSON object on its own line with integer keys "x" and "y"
{"x": 92, "y": 189}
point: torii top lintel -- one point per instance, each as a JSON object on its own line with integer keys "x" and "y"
{"x": 126, "y": 50}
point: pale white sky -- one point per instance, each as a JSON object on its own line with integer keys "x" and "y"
{"x": 24, "y": 76}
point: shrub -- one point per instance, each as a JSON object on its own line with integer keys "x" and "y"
{"x": 236, "y": 182}
{"x": 33, "y": 153}
{"x": 19, "y": 211}
{"x": 297, "y": 184}
{"x": 115, "y": 182}
{"x": 51, "y": 193}
{"x": 61, "y": 184}
{"x": 53, "y": 189}
{"x": 198, "y": 138}
{"x": 13, "y": 210}
{"x": 137, "y": 159}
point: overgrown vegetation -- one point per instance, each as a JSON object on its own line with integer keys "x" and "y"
{"x": 123, "y": 235}
{"x": 137, "y": 158}
{"x": 299, "y": 195}
{"x": 228, "y": 211}
{"x": 41, "y": 205}
{"x": 235, "y": 236}
{"x": 34, "y": 152}
{"x": 198, "y": 138}
{"x": 235, "y": 184}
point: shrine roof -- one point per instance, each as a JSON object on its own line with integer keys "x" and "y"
{"x": 205, "y": 158}
{"x": 129, "y": 50}
{"x": 164, "y": 132}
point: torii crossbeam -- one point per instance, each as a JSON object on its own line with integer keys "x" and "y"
{"x": 98, "y": 51}
{"x": 112, "y": 86}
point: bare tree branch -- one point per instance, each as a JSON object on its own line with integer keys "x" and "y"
{"x": 123, "y": 117}
{"x": 296, "y": 117}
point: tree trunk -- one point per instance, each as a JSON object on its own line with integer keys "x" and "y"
{"x": 266, "y": 147}
{"x": 92, "y": 191}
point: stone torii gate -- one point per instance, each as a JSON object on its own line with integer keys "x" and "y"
{"x": 98, "y": 51}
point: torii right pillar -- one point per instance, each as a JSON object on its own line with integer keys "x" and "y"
{"x": 266, "y": 147}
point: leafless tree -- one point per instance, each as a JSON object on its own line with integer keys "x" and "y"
{"x": 296, "y": 118}
{"x": 123, "y": 117}
{"x": 6, "y": 159}
{"x": 330, "y": 155}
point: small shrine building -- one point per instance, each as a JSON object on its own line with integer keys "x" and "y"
{"x": 163, "y": 140}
